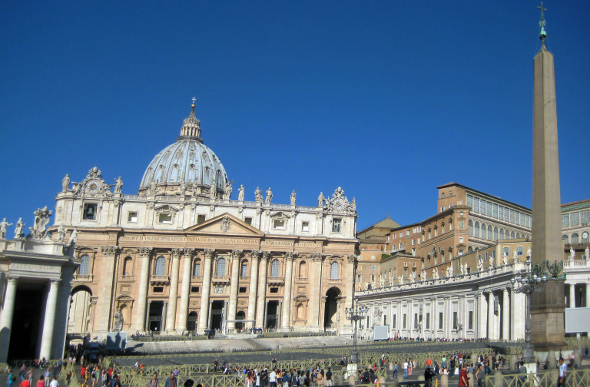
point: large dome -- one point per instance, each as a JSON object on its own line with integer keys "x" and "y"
{"x": 187, "y": 167}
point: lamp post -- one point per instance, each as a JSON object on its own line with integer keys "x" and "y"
{"x": 355, "y": 314}
{"x": 528, "y": 281}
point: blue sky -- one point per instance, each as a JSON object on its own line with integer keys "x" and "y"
{"x": 386, "y": 99}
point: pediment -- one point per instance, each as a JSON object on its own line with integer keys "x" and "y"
{"x": 226, "y": 224}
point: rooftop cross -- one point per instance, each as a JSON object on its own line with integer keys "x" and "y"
{"x": 194, "y": 99}
{"x": 543, "y": 34}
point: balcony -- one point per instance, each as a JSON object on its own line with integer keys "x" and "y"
{"x": 83, "y": 277}
{"x": 220, "y": 280}
{"x": 126, "y": 278}
{"x": 276, "y": 281}
{"x": 160, "y": 280}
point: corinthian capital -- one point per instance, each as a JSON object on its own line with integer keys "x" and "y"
{"x": 351, "y": 257}
{"x": 255, "y": 254}
{"x": 265, "y": 254}
{"x": 109, "y": 250}
{"x": 144, "y": 251}
{"x": 317, "y": 257}
{"x": 209, "y": 253}
{"x": 188, "y": 252}
{"x": 176, "y": 253}
{"x": 236, "y": 253}
{"x": 289, "y": 255}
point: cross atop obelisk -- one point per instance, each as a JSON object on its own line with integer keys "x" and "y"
{"x": 542, "y": 34}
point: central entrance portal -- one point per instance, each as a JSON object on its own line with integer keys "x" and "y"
{"x": 29, "y": 309}
{"x": 155, "y": 320}
{"x": 272, "y": 314}
{"x": 217, "y": 314}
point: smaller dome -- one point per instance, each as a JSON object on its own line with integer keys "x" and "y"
{"x": 187, "y": 167}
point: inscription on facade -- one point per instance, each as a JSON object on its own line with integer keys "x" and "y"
{"x": 162, "y": 238}
{"x": 36, "y": 268}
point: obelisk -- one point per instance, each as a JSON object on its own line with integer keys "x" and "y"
{"x": 548, "y": 306}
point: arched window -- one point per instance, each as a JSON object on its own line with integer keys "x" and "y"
{"x": 197, "y": 268}
{"x": 575, "y": 238}
{"x": 470, "y": 249}
{"x": 334, "y": 270}
{"x": 220, "y": 272}
{"x": 470, "y": 227}
{"x": 495, "y": 233}
{"x": 517, "y": 235}
{"x": 483, "y": 231}
{"x": 565, "y": 239}
{"x": 160, "y": 266}
{"x": 244, "y": 269}
{"x": 274, "y": 268}
{"x": 512, "y": 235}
{"x": 501, "y": 233}
{"x": 490, "y": 235}
{"x": 128, "y": 266}
{"x": 302, "y": 270}
{"x": 85, "y": 265}
{"x": 476, "y": 230}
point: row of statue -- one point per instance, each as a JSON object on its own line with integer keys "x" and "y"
{"x": 39, "y": 229}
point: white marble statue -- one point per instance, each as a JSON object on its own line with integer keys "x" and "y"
{"x": 572, "y": 253}
{"x": 293, "y": 197}
{"x": 381, "y": 282}
{"x": 258, "y": 195}
{"x": 241, "y": 193}
{"x": 451, "y": 270}
{"x": 61, "y": 233}
{"x": 587, "y": 252}
{"x": 400, "y": 280}
{"x": 3, "y": 226}
{"x": 19, "y": 229}
{"x": 73, "y": 237}
{"x": 321, "y": 200}
{"x": 423, "y": 275}
{"x": 118, "y": 321}
{"x": 119, "y": 185}
{"x": 505, "y": 259}
{"x": 65, "y": 183}
{"x": 268, "y": 195}
{"x": 529, "y": 252}
{"x": 491, "y": 262}
{"x": 462, "y": 269}
{"x": 435, "y": 273}
{"x": 480, "y": 264}
{"x": 466, "y": 269}
{"x": 391, "y": 281}
{"x": 515, "y": 255}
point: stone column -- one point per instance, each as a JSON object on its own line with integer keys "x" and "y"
{"x": 286, "y": 313}
{"x": 254, "y": 256}
{"x": 261, "y": 302}
{"x": 144, "y": 257}
{"x": 6, "y": 318}
{"x": 233, "y": 289}
{"x": 109, "y": 254}
{"x": 185, "y": 291}
{"x": 517, "y": 306}
{"x": 483, "y": 316}
{"x": 49, "y": 321}
{"x": 173, "y": 296}
{"x": 505, "y": 315}
{"x": 572, "y": 303}
{"x": 204, "y": 312}
{"x": 316, "y": 284}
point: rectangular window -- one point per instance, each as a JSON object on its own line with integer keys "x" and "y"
{"x": 440, "y": 320}
{"x": 495, "y": 211}
{"x": 565, "y": 220}
{"x": 475, "y": 204}
{"x": 243, "y": 289}
{"x": 489, "y": 209}
{"x": 200, "y": 219}
{"x": 279, "y": 224}
{"x": 574, "y": 218}
{"x": 196, "y": 270}
{"x": 415, "y": 320}
{"x": 394, "y": 321}
{"x": 470, "y": 201}
{"x": 358, "y": 278}
{"x": 158, "y": 289}
{"x": 470, "y": 322}
{"x": 132, "y": 217}
{"x": 305, "y": 226}
{"x": 165, "y": 218}
{"x": 404, "y": 322}
{"x": 511, "y": 216}
{"x": 89, "y": 211}
{"x": 248, "y": 221}
{"x": 274, "y": 290}
{"x": 585, "y": 217}
{"x": 455, "y": 320}
{"x": 194, "y": 289}
{"x": 407, "y": 232}
{"x": 428, "y": 320}
{"x": 337, "y": 225}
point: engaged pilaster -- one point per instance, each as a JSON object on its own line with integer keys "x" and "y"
{"x": 109, "y": 254}
{"x": 144, "y": 258}
{"x": 173, "y": 296}
{"x": 185, "y": 292}
{"x": 233, "y": 289}
{"x": 205, "y": 292}
{"x": 254, "y": 257}
{"x": 286, "y": 314}
{"x": 316, "y": 284}
{"x": 261, "y": 303}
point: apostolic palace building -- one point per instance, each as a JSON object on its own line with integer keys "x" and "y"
{"x": 182, "y": 255}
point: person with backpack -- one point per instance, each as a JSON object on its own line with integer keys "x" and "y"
{"x": 428, "y": 375}
{"x": 329, "y": 377}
